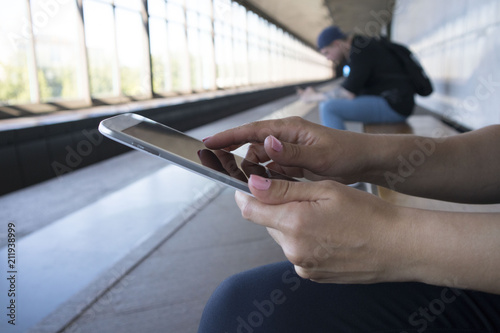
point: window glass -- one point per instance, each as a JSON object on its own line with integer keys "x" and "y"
{"x": 192, "y": 19}
{"x": 208, "y": 61}
{"x": 205, "y": 23}
{"x": 175, "y": 13}
{"x": 222, "y": 10}
{"x": 130, "y": 4}
{"x": 201, "y": 6}
{"x": 224, "y": 55}
{"x": 179, "y": 61}
{"x": 195, "y": 61}
{"x": 159, "y": 55}
{"x": 132, "y": 52}
{"x": 43, "y": 60}
{"x": 15, "y": 44}
{"x": 156, "y": 8}
{"x": 178, "y": 2}
{"x": 240, "y": 45}
{"x": 240, "y": 62}
{"x": 101, "y": 50}
{"x": 253, "y": 48}
{"x": 57, "y": 52}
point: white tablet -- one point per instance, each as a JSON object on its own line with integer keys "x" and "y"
{"x": 187, "y": 152}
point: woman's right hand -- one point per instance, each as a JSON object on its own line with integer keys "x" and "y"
{"x": 299, "y": 148}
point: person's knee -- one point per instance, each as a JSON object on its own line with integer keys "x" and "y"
{"x": 245, "y": 286}
{"x": 333, "y": 107}
{"x": 230, "y": 291}
{"x": 326, "y": 105}
{"x": 222, "y": 305}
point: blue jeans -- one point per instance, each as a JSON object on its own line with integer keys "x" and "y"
{"x": 366, "y": 109}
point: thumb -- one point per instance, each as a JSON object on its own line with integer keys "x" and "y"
{"x": 269, "y": 207}
{"x": 276, "y": 192}
{"x": 291, "y": 155}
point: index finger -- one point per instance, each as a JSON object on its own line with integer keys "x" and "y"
{"x": 286, "y": 129}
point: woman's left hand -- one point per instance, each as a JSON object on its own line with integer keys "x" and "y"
{"x": 331, "y": 233}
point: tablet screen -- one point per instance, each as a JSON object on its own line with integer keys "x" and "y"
{"x": 193, "y": 150}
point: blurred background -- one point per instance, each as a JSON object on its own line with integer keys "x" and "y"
{"x": 67, "y": 54}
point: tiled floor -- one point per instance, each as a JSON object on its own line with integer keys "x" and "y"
{"x": 167, "y": 291}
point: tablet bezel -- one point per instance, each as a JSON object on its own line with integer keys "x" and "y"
{"x": 113, "y": 128}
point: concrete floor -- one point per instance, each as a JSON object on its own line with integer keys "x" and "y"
{"x": 168, "y": 290}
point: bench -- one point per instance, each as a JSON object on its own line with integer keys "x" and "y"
{"x": 429, "y": 126}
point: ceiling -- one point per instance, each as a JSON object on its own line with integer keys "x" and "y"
{"x": 306, "y": 18}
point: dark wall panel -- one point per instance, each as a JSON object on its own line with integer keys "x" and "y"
{"x": 34, "y": 161}
{"x": 10, "y": 170}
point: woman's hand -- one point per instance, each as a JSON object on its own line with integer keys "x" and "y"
{"x": 299, "y": 148}
{"x": 336, "y": 234}
{"x": 330, "y": 232}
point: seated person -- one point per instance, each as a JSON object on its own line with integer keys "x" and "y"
{"x": 356, "y": 262}
{"x": 373, "y": 92}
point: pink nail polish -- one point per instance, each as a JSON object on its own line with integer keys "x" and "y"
{"x": 276, "y": 144}
{"x": 205, "y": 139}
{"x": 260, "y": 183}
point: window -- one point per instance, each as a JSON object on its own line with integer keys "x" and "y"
{"x": 208, "y": 53}
{"x": 253, "y": 48}
{"x": 101, "y": 49}
{"x": 199, "y": 37}
{"x": 159, "y": 55}
{"x": 132, "y": 51}
{"x": 177, "y": 46}
{"x": 56, "y": 48}
{"x": 16, "y": 46}
{"x": 191, "y": 45}
{"x": 223, "y": 43}
{"x": 240, "y": 44}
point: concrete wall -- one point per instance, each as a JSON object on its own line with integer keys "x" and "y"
{"x": 458, "y": 43}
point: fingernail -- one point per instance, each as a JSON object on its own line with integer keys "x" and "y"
{"x": 260, "y": 183}
{"x": 275, "y": 144}
{"x": 199, "y": 153}
{"x": 207, "y": 138}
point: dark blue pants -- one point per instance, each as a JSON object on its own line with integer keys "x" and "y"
{"x": 274, "y": 298}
